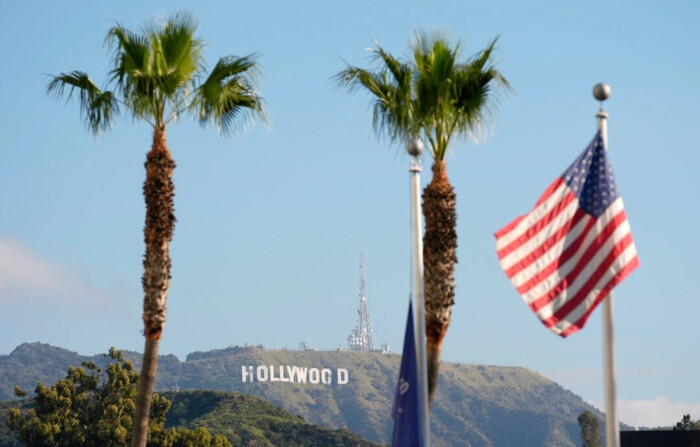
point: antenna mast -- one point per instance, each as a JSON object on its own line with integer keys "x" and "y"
{"x": 360, "y": 339}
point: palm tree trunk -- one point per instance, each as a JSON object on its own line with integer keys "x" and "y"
{"x": 439, "y": 259}
{"x": 139, "y": 433}
{"x": 158, "y": 191}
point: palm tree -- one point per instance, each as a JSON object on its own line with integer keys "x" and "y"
{"x": 159, "y": 75}
{"x": 437, "y": 96}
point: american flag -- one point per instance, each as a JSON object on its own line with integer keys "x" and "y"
{"x": 567, "y": 254}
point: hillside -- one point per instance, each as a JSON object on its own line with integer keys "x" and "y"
{"x": 245, "y": 420}
{"x": 475, "y": 405}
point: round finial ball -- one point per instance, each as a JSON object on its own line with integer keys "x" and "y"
{"x": 601, "y": 91}
{"x": 414, "y": 147}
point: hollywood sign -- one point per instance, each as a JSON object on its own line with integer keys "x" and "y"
{"x": 293, "y": 374}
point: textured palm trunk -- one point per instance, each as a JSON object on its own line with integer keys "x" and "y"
{"x": 158, "y": 191}
{"x": 439, "y": 259}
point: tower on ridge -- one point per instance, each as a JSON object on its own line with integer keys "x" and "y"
{"x": 360, "y": 339}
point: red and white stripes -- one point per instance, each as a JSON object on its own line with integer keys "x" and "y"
{"x": 563, "y": 261}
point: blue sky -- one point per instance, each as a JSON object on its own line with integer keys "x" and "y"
{"x": 271, "y": 223}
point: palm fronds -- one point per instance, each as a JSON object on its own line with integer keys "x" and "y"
{"x": 154, "y": 69}
{"x": 228, "y": 96}
{"x": 453, "y": 97}
{"x": 392, "y": 106}
{"x": 434, "y": 94}
{"x": 97, "y": 108}
{"x": 157, "y": 73}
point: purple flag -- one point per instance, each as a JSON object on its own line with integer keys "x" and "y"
{"x": 408, "y": 431}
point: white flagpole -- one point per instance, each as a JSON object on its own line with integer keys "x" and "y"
{"x": 415, "y": 149}
{"x": 612, "y": 427}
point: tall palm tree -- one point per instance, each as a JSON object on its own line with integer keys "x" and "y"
{"x": 159, "y": 75}
{"x": 437, "y": 96}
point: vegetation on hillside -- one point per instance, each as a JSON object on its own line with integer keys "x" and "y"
{"x": 476, "y": 405}
{"x": 92, "y": 406}
{"x": 590, "y": 429}
{"x": 248, "y": 421}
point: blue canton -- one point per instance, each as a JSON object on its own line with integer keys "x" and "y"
{"x": 591, "y": 178}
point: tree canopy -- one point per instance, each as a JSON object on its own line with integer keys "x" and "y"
{"x": 590, "y": 429}
{"x": 437, "y": 95}
{"x": 686, "y": 423}
{"x": 159, "y": 74}
{"x": 95, "y": 407}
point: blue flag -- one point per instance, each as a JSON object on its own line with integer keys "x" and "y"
{"x": 408, "y": 431}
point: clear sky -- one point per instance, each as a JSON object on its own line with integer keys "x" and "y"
{"x": 271, "y": 223}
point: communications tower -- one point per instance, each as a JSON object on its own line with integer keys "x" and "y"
{"x": 360, "y": 339}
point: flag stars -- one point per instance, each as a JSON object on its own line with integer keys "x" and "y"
{"x": 575, "y": 297}
{"x": 591, "y": 178}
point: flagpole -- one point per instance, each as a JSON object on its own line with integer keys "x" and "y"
{"x": 612, "y": 427}
{"x": 415, "y": 149}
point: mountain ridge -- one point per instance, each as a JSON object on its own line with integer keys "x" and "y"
{"x": 475, "y": 405}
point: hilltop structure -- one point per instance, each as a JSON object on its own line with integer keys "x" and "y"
{"x": 360, "y": 339}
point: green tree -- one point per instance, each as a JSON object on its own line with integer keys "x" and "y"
{"x": 156, "y": 78}
{"x": 91, "y": 407}
{"x": 590, "y": 429}
{"x": 687, "y": 424}
{"x": 437, "y": 95}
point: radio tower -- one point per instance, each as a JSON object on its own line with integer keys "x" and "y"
{"x": 360, "y": 339}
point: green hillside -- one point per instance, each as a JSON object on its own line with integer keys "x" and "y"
{"x": 475, "y": 405}
{"x": 246, "y": 421}
{"x": 249, "y": 421}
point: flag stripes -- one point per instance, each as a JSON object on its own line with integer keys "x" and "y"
{"x": 565, "y": 256}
